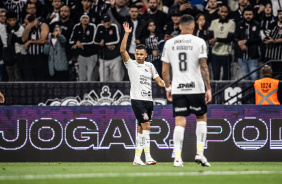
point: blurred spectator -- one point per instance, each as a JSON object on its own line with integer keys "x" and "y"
{"x": 82, "y": 39}
{"x": 16, "y": 6}
{"x": 15, "y": 51}
{"x": 221, "y": 33}
{"x": 108, "y": 37}
{"x": 100, "y": 7}
{"x": 2, "y": 16}
{"x": 172, "y": 28}
{"x": 137, "y": 24}
{"x": 273, "y": 41}
{"x": 266, "y": 19}
{"x": 247, "y": 36}
{"x": 276, "y": 5}
{"x": 259, "y": 6}
{"x": 57, "y": 59}
{"x": 34, "y": 36}
{"x": 201, "y": 27}
{"x": 219, "y": 4}
{"x": 66, "y": 28}
{"x": 85, "y": 9}
{"x": 155, "y": 14}
{"x": 153, "y": 40}
{"x": 121, "y": 8}
{"x": 54, "y": 15}
{"x": 212, "y": 13}
{"x": 185, "y": 7}
{"x": 237, "y": 15}
{"x": 41, "y": 11}
{"x": 3, "y": 39}
{"x": 233, "y": 5}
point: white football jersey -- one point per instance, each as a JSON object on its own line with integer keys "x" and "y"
{"x": 183, "y": 53}
{"x": 141, "y": 76}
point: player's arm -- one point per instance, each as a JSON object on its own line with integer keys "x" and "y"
{"x": 127, "y": 31}
{"x": 159, "y": 81}
{"x": 166, "y": 78}
{"x": 206, "y": 78}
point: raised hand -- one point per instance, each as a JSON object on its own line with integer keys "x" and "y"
{"x": 126, "y": 28}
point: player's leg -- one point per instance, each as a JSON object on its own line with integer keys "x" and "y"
{"x": 146, "y": 136}
{"x": 201, "y": 133}
{"x": 139, "y": 147}
{"x": 178, "y": 137}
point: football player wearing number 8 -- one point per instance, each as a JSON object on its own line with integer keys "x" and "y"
{"x": 140, "y": 74}
{"x": 187, "y": 55}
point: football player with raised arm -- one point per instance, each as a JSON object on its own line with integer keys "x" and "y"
{"x": 140, "y": 74}
{"x": 187, "y": 55}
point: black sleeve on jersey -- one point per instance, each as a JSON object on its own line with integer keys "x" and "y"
{"x": 229, "y": 38}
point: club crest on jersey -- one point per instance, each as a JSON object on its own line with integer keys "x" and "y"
{"x": 87, "y": 32}
{"x": 254, "y": 28}
{"x": 145, "y": 116}
{"x": 111, "y": 32}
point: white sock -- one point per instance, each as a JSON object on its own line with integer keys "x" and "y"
{"x": 201, "y": 133}
{"x": 139, "y": 146}
{"x": 178, "y": 137}
{"x": 146, "y": 137}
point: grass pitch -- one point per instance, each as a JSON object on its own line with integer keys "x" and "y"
{"x": 125, "y": 172}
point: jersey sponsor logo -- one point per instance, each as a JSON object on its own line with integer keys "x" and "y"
{"x": 145, "y": 80}
{"x": 182, "y": 41}
{"x": 195, "y": 108}
{"x": 146, "y": 93}
{"x": 187, "y": 85}
{"x": 180, "y": 109}
{"x": 145, "y": 116}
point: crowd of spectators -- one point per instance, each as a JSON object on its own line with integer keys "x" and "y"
{"x": 79, "y": 40}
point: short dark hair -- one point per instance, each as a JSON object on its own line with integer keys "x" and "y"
{"x": 134, "y": 6}
{"x": 186, "y": 19}
{"x": 228, "y": 9}
{"x": 141, "y": 46}
{"x": 278, "y": 11}
{"x": 248, "y": 8}
{"x": 10, "y": 15}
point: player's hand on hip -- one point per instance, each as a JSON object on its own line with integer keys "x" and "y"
{"x": 126, "y": 27}
{"x": 168, "y": 95}
{"x": 208, "y": 96}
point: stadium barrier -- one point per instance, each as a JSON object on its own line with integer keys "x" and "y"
{"x": 97, "y": 93}
{"x": 108, "y": 133}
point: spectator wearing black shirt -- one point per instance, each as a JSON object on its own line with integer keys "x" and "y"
{"x": 237, "y": 15}
{"x": 54, "y": 15}
{"x": 15, "y": 50}
{"x": 155, "y": 14}
{"x": 185, "y": 7}
{"x": 201, "y": 27}
{"x": 172, "y": 28}
{"x": 153, "y": 40}
{"x": 247, "y": 36}
{"x": 108, "y": 37}
{"x": 82, "y": 39}
{"x": 212, "y": 13}
{"x": 85, "y": 9}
